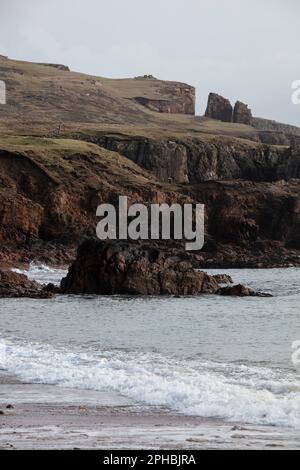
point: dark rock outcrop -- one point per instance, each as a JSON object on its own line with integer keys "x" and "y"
{"x": 52, "y": 288}
{"x": 165, "y": 158}
{"x": 276, "y": 138}
{"x": 196, "y": 160}
{"x": 65, "y": 68}
{"x": 275, "y": 133}
{"x": 241, "y": 291}
{"x": 250, "y": 224}
{"x": 223, "y": 278}
{"x": 274, "y": 126}
{"x": 145, "y": 77}
{"x": 136, "y": 268}
{"x": 18, "y": 285}
{"x": 242, "y": 114}
{"x": 122, "y": 267}
{"x": 219, "y": 108}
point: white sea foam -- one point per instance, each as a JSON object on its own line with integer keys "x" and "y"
{"x": 42, "y": 273}
{"x": 233, "y": 392}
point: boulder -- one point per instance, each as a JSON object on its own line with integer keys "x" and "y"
{"x": 18, "y": 285}
{"x": 123, "y": 267}
{"x": 219, "y": 108}
{"x": 141, "y": 268}
{"x": 52, "y": 288}
{"x": 240, "y": 290}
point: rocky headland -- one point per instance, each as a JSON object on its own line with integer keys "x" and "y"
{"x": 50, "y": 189}
{"x": 139, "y": 138}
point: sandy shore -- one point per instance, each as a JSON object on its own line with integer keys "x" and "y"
{"x": 50, "y": 417}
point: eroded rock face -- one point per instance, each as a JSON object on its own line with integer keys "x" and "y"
{"x": 242, "y": 114}
{"x": 166, "y": 158}
{"x": 20, "y": 215}
{"x": 219, "y": 108}
{"x": 276, "y": 133}
{"x": 117, "y": 267}
{"x": 18, "y": 285}
{"x": 274, "y": 126}
{"x": 196, "y": 160}
{"x": 181, "y": 100}
{"x": 47, "y": 209}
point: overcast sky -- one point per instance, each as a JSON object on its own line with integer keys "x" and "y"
{"x": 242, "y": 49}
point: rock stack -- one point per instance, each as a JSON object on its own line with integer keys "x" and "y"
{"x": 221, "y": 109}
{"x": 242, "y": 114}
{"x": 133, "y": 268}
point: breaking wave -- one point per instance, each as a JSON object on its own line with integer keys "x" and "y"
{"x": 233, "y": 392}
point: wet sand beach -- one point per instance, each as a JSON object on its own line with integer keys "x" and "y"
{"x": 51, "y": 417}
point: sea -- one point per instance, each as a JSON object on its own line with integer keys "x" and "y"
{"x": 232, "y": 358}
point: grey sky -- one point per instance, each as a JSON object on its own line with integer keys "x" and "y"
{"x": 242, "y": 49}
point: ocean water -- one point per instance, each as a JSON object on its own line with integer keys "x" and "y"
{"x": 210, "y": 356}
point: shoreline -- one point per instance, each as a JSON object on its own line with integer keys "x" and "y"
{"x": 226, "y": 256}
{"x": 52, "y": 417}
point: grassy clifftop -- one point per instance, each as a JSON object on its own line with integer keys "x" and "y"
{"x": 40, "y": 97}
